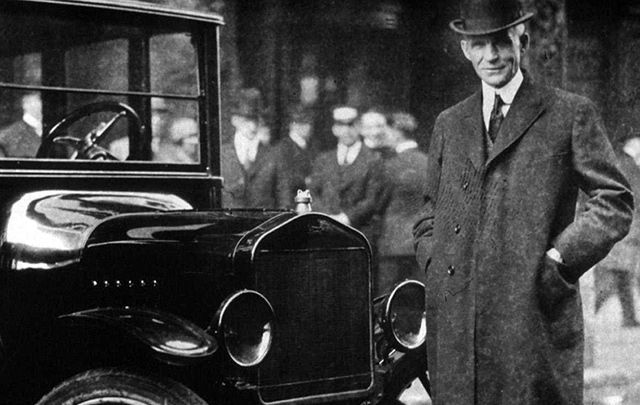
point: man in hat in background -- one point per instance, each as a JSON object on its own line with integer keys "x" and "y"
{"x": 252, "y": 176}
{"x": 346, "y": 182}
{"x": 296, "y": 150}
{"x": 499, "y": 238}
{"x": 23, "y": 137}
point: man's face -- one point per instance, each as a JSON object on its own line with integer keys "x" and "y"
{"x": 496, "y": 57}
{"x": 302, "y": 129}
{"x": 373, "y": 127}
{"x": 346, "y": 134}
{"x": 245, "y": 126}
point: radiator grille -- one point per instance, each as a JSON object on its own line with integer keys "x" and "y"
{"x": 321, "y": 300}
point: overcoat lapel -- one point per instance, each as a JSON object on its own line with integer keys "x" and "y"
{"x": 473, "y": 132}
{"x": 527, "y": 107}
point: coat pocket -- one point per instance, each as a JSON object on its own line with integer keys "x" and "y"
{"x": 553, "y": 286}
{"x": 559, "y": 301}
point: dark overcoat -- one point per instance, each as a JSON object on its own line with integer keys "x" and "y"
{"x": 19, "y": 140}
{"x": 296, "y": 163}
{"x": 504, "y": 322}
{"x": 354, "y": 189}
{"x": 405, "y": 174}
{"x": 263, "y": 185}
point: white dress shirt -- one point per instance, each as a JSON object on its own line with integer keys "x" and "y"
{"x": 406, "y": 145}
{"x": 246, "y": 149}
{"x": 33, "y": 122}
{"x": 298, "y": 140}
{"x": 507, "y": 94}
{"x": 347, "y": 154}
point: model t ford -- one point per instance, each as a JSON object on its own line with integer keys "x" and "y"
{"x": 122, "y": 280}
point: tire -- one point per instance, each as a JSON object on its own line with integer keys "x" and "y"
{"x": 116, "y": 386}
{"x": 410, "y": 367}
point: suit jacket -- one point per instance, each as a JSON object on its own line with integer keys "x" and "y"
{"x": 405, "y": 176}
{"x": 501, "y": 315}
{"x": 296, "y": 164}
{"x": 264, "y": 185}
{"x": 19, "y": 140}
{"x": 354, "y": 189}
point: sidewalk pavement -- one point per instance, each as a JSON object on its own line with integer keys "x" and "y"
{"x": 612, "y": 353}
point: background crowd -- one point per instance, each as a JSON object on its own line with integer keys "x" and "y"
{"x": 371, "y": 178}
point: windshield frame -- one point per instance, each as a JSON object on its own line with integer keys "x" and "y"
{"x": 203, "y": 28}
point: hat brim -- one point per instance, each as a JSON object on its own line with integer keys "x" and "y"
{"x": 458, "y": 26}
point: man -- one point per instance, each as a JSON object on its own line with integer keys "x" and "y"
{"x": 373, "y": 127}
{"x": 181, "y": 145}
{"x": 23, "y": 137}
{"x": 295, "y": 151}
{"x": 405, "y": 172}
{"x": 252, "y": 176}
{"x": 499, "y": 239}
{"x": 160, "y": 118}
{"x": 346, "y": 182}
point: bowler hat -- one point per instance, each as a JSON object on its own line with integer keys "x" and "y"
{"x": 248, "y": 103}
{"x": 482, "y": 17}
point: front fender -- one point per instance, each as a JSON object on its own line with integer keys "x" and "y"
{"x": 172, "y": 340}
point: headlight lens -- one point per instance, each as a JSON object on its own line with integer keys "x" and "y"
{"x": 245, "y": 323}
{"x": 405, "y": 317}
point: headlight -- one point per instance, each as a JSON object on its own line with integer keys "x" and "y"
{"x": 244, "y": 323}
{"x": 405, "y": 322}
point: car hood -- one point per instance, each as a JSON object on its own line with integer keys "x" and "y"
{"x": 47, "y": 229}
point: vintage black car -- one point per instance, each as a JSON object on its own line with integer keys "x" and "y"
{"x": 122, "y": 280}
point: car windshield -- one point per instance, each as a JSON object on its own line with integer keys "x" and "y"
{"x": 73, "y": 64}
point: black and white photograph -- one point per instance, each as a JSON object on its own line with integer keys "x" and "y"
{"x": 346, "y": 202}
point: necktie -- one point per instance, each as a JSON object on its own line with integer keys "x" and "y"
{"x": 496, "y": 118}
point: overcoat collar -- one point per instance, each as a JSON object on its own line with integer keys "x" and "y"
{"x": 527, "y": 107}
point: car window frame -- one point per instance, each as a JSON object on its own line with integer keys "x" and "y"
{"x": 205, "y": 30}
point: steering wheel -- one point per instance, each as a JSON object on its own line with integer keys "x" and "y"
{"x": 87, "y": 146}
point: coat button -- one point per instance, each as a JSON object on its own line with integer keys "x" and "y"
{"x": 451, "y": 270}
{"x": 457, "y": 228}
{"x": 465, "y": 185}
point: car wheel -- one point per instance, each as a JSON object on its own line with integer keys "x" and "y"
{"x": 408, "y": 381}
{"x": 116, "y": 386}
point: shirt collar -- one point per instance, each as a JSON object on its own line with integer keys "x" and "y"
{"x": 506, "y": 92}
{"x": 298, "y": 140}
{"x": 406, "y": 145}
{"x": 33, "y": 122}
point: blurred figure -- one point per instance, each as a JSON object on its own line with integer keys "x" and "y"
{"x": 373, "y": 127}
{"x": 252, "y": 176}
{"x": 405, "y": 173}
{"x": 159, "y": 121}
{"x": 23, "y": 137}
{"x": 182, "y": 144}
{"x": 264, "y": 132}
{"x": 295, "y": 151}
{"x": 346, "y": 182}
{"x": 618, "y": 271}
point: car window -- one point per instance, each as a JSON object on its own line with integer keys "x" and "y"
{"x": 53, "y": 64}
